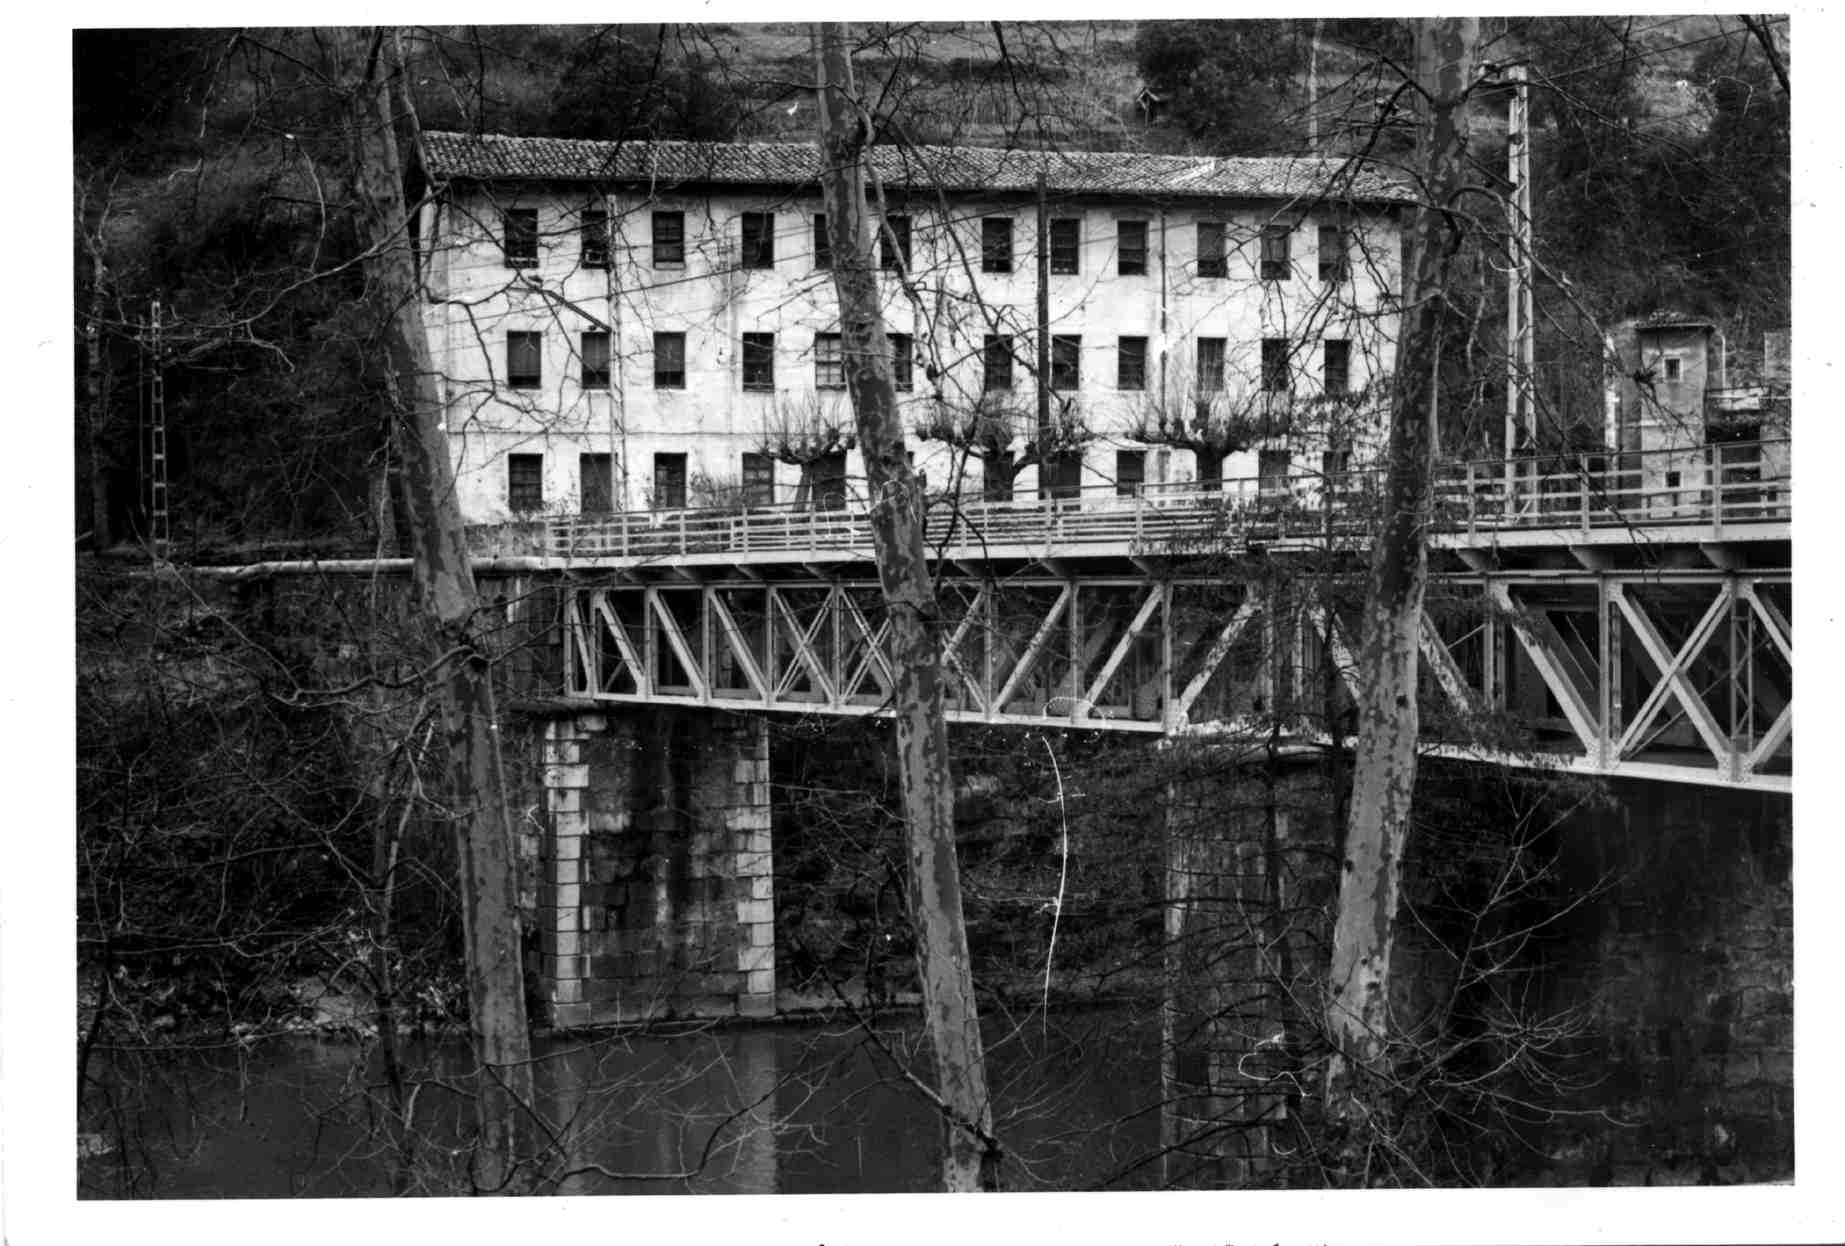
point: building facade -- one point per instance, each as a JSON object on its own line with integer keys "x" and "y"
{"x": 654, "y": 326}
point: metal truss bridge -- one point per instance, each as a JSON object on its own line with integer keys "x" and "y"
{"x": 1623, "y": 619}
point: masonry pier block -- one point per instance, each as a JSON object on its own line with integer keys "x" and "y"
{"x": 658, "y": 882}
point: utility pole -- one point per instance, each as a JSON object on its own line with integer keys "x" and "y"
{"x": 1521, "y": 354}
{"x": 159, "y": 527}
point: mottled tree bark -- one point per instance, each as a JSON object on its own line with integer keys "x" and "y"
{"x": 444, "y": 582}
{"x": 970, "y": 1153}
{"x": 1384, "y": 767}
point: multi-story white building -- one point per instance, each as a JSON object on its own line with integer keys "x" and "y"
{"x": 629, "y": 326}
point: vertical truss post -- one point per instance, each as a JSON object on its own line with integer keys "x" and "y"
{"x": 1607, "y": 674}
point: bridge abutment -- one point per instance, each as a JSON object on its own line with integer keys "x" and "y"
{"x": 658, "y": 893}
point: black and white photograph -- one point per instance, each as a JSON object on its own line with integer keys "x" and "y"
{"x": 1045, "y": 606}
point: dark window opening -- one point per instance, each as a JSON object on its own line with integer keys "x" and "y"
{"x": 1211, "y": 261}
{"x": 1272, "y": 471}
{"x": 758, "y": 479}
{"x": 1211, "y": 365}
{"x": 997, "y": 358}
{"x": 829, "y": 362}
{"x": 996, "y": 244}
{"x": 824, "y": 481}
{"x": 1130, "y": 472}
{"x": 668, "y": 481}
{"x": 525, "y": 482}
{"x": 595, "y": 353}
{"x": 596, "y": 483}
{"x": 758, "y": 240}
{"x": 1675, "y": 370}
{"x": 1334, "y": 464}
{"x": 823, "y": 243}
{"x": 1066, "y": 361}
{"x": 1062, "y": 475}
{"x": 669, "y": 239}
{"x": 759, "y": 361}
{"x": 1131, "y": 248}
{"x": 521, "y": 239}
{"x": 902, "y": 362}
{"x": 524, "y": 353}
{"x": 996, "y": 477}
{"x": 669, "y": 361}
{"x": 1131, "y": 363}
{"x": 1275, "y": 372}
{"x": 1338, "y": 367}
{"x": 1066, "y": 245}
{"x": 595, "y": 238}
{"x": 897, "y": 260}
{"x": 1335, "y": 249}
{"x": 1275, "y": 264}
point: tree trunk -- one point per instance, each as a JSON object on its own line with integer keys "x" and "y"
{"x": 970, "y": 1152}
{"x": 96, "y": 394}
{"x": 446, "y": 594}
{"x": 1384, "y": 766}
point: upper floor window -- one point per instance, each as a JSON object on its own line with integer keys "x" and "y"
{"x": 1276, "y": 377}
{"x": 759, "y": 361}
{"x": 595, "y": 352}
{"x": 1210, "y": 365}
{"x": 596, "y": 483}
{"x": 996, "y": 244}
{"x": 758, "y": 479}
{"x": 525, "y": 482}
{"x": 758, "y": 240}
{"x": 1066, "y": 245}
{"x": 1335, "y": 253}
{"x": 1337, "y": 365}
{"x": 595, "y": 237}
{"x": 823, "y": 243}
{"x": 903, "y": 362}
{"x": 669, "y": 361}
{"x": 897, "y": 258}
{"x": 996, "y": 361}
{"x": 1275, "y": 263}
{"x": 1131, "y": 363}
{"x": 829, "y": 362}
{"x": 668, "y": 480}
{"x": 521, "y": 237}
{"x": 669, "y": 239}
{"x": 1130, "y": 248}
{"x": 1130, "y": 472}
{"x": 1211, "y": 261}
{"x": 524, "y": 356}
{"x": 1066, "y": 361}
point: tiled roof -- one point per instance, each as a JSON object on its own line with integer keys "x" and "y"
{"x": 501, "y": 158}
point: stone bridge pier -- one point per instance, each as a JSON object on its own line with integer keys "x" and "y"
{"x": 656, "y": 894}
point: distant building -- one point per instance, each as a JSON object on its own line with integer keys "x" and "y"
{"x": 635, "y": 326}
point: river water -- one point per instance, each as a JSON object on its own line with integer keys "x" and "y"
{"x": 788, "y": 1108}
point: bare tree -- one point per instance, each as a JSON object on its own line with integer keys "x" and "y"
{"x": 971, "y": 1152}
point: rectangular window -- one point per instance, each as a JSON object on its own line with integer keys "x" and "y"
{"x": 1066, "y": 245}
{"x": 1131, "y": 248}
{"x": 669, "y": 361}
{"x": 996, "y": 477}
{"x": 758, "y": 479}
{"x": 521, "y": 237}
{"x": 1275, "y": 263}
{"x": 669, "y": 240}
{"x": 829, "y": 362}
{"x": 996, "y": 244}
{"x": 1211, "y": 261}
{"x": 758, "y": 240}
{"x": 668, "y": 481}
{"x": 1131, "y": 363}
{"x": 1211, "y": 365}
{"x": 997, "y": 357}
{"x": 595, "y": 236}
{"x": 524, "y": 352}
{"x": 1272, "y": 471}
{"x": 1675, "y": 369}
{"x": 1335, "y": 253}
{"x": 595, "y": 353}
{"x": 525, "y": 482}
{"x": 1337, "y": 367}
{"x": 1130, "y": 472}
{"x": 1334, "y": 464}
{"x": 903, "y": 362}
{"x": 897, "y": 259}
{"x": 596, "y": 483}
{"x": 1061, "y": 476}
{"x": 1275, "y": 371}
{"x": 824, "y": 480}
{"x": 759, "y": 361}
{"x": 1066, "y": 361}
{"x": 823, "y": 243}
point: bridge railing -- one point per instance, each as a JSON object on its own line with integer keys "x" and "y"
{"x": 1716, "y": 486}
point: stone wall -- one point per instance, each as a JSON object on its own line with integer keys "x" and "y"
{"x": 658, "y": 893}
